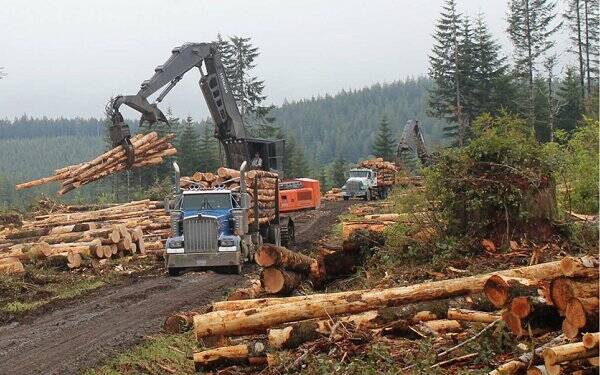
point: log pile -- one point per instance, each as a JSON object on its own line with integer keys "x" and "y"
{"x": 149, "y": 150}
{"x": 261, "y": 188}
{"x": 436, "y": 308}
{"x": 333, "y": 194}
{"x": 386, "y": 171}
{"x": 77, "y": 237}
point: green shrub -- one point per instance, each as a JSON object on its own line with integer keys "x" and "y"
{"x": 497, "y": 183}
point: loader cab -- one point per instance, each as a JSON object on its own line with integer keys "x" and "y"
{"x": 270, "y": 151}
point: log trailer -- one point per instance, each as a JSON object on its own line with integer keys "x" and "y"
{"x": 211, "y": 228}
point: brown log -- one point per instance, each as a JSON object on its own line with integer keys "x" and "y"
{"x": 582, "y": 267}
{"x": 524, "y": 306}
{"x": 472, "y": 315}
{"x": 569, "y": 330}
{"x": 237, "y": 354}
{"x": 443, "y": 325}
{"x": 583, "y": 313}
{"x": 320, "y": 305}
{"x": 249, "y": 292}
{"x": 537, "y": 370}
{"x": 542, "y": 319}
{"x": 590, "y": 340}
{"x": 566, "y": 353}
{"x": 501, "y": 290}
{"x": 277, "y": 256}
{"x": 518, "y": 365}
{"x": 11, "y": 266}
{"x": 277, "y": 281}
{"x": 563, "y": 289}
{"x": 141, "y": 245}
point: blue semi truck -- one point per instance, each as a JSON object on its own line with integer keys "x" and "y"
{"x": 211, "y": 228}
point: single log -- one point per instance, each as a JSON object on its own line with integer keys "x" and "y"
{"x": 537, "y": 370}
{"x": 11, "y": 266}
{"x": 566, "y": 353}
{"x": 237, "y": 354}
{"x": 277, "y": 256}
{"x": 524, "y": 306}
{"x": 584, "y": 267}
{"x": 320, "y": 305}
{"x": 583, "y": 313}
{"x": 228, "y": 173}
{"x": 501, "y": 290}
{"x": 251, "y": 291}
{"x": 82, "y": 227}
{"x": 590, "y": 340}
{"x": 277, "y": 281}
{"x": 443, "y": 325}
{"x": 73, "y": 260}
{"x": 569, "y": 330}
{"x": 472, "y": 315}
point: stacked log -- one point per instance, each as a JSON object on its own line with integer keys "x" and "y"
{"x": 149, "y": 149}
{"x": 432, "y": 308}
{"x": 71, "y": 238}
{"x": 334, "y": 194}
{"x": 283, "y": 269}
{"x": 386, "y": 171}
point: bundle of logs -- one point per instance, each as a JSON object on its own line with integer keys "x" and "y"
{"x": 334, "y": 194}
{"x": 74, "y": 237}
{"x": 149, "y": 149}
{"x": 261, "y": 188}
{"x": 437, "y": 308}
{"x": 386, "y": 171}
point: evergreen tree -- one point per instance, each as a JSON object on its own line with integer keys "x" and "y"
{"x": 571, "y": 104}
{"x": 467, "y": 65}
{"x": 489, "y": 73}
{"x": 324, "y": 180}
{"x": 576, "y": 25}
{"x": 208, "y": 150}
{"x": 188, "y": 143}
{"x": 530, "y": 26}
{"x": 299, "y": 165}
{"x": 338, "y": 167}
{"x": 446, "y": 95}
{"x": 592, "y": 52}
{"x": 384, "y": 145}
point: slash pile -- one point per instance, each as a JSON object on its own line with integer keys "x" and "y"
{"x": 72, "y": 237}
{"x": 149, "y": 150}
{"x": 438, "y": 308}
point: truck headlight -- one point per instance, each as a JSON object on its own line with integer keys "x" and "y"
{"x": 227, "y": 242}
{"x": 175, "y": 244}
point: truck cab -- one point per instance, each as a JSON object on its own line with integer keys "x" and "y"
{"x": 360, "y": 184}
{"x": 207, "y": 231}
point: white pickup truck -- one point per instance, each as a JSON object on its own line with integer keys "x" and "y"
{"x": 362, "y": 183}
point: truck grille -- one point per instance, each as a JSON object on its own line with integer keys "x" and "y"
{"x": 200, "y": 235}
{"x": 353, "y": 186}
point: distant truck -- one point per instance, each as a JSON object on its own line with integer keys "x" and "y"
{"x": 364, "y": 183}
{"x": 214, "y": 227}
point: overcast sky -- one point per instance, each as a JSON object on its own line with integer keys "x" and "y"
{"x": 67, "y": 57}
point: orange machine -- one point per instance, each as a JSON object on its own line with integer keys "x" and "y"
{"x": 299, "y": 194}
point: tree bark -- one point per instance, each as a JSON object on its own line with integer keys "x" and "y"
{"x": 278, "y": 256}
{"x": 566, "y": 353}
{"x": 472, "y": 315}
{"x": 583, "y": 267}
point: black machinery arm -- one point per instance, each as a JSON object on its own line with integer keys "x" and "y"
{"x": 229, "y": 126}
{"x": 412, "y": 142}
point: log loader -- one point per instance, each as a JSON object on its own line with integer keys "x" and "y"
{"x": 211, "y": 228}
{"x": 411, "y": 143}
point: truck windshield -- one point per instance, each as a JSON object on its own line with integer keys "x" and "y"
{"x": 206, "y": 201}
{"x": 359, "y": 173}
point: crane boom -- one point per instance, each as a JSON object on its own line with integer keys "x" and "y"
{"x": 229, "y": 125}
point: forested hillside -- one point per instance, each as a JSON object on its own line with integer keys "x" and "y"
{"x": 323, "y": 128}
{"x": 344, "y": 125}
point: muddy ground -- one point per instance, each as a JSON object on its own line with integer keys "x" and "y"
{"x": 87, "y": 331}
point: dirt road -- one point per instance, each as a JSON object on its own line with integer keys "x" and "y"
{"x": 90, "y": 330}
{"x": 86, "y": 332}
